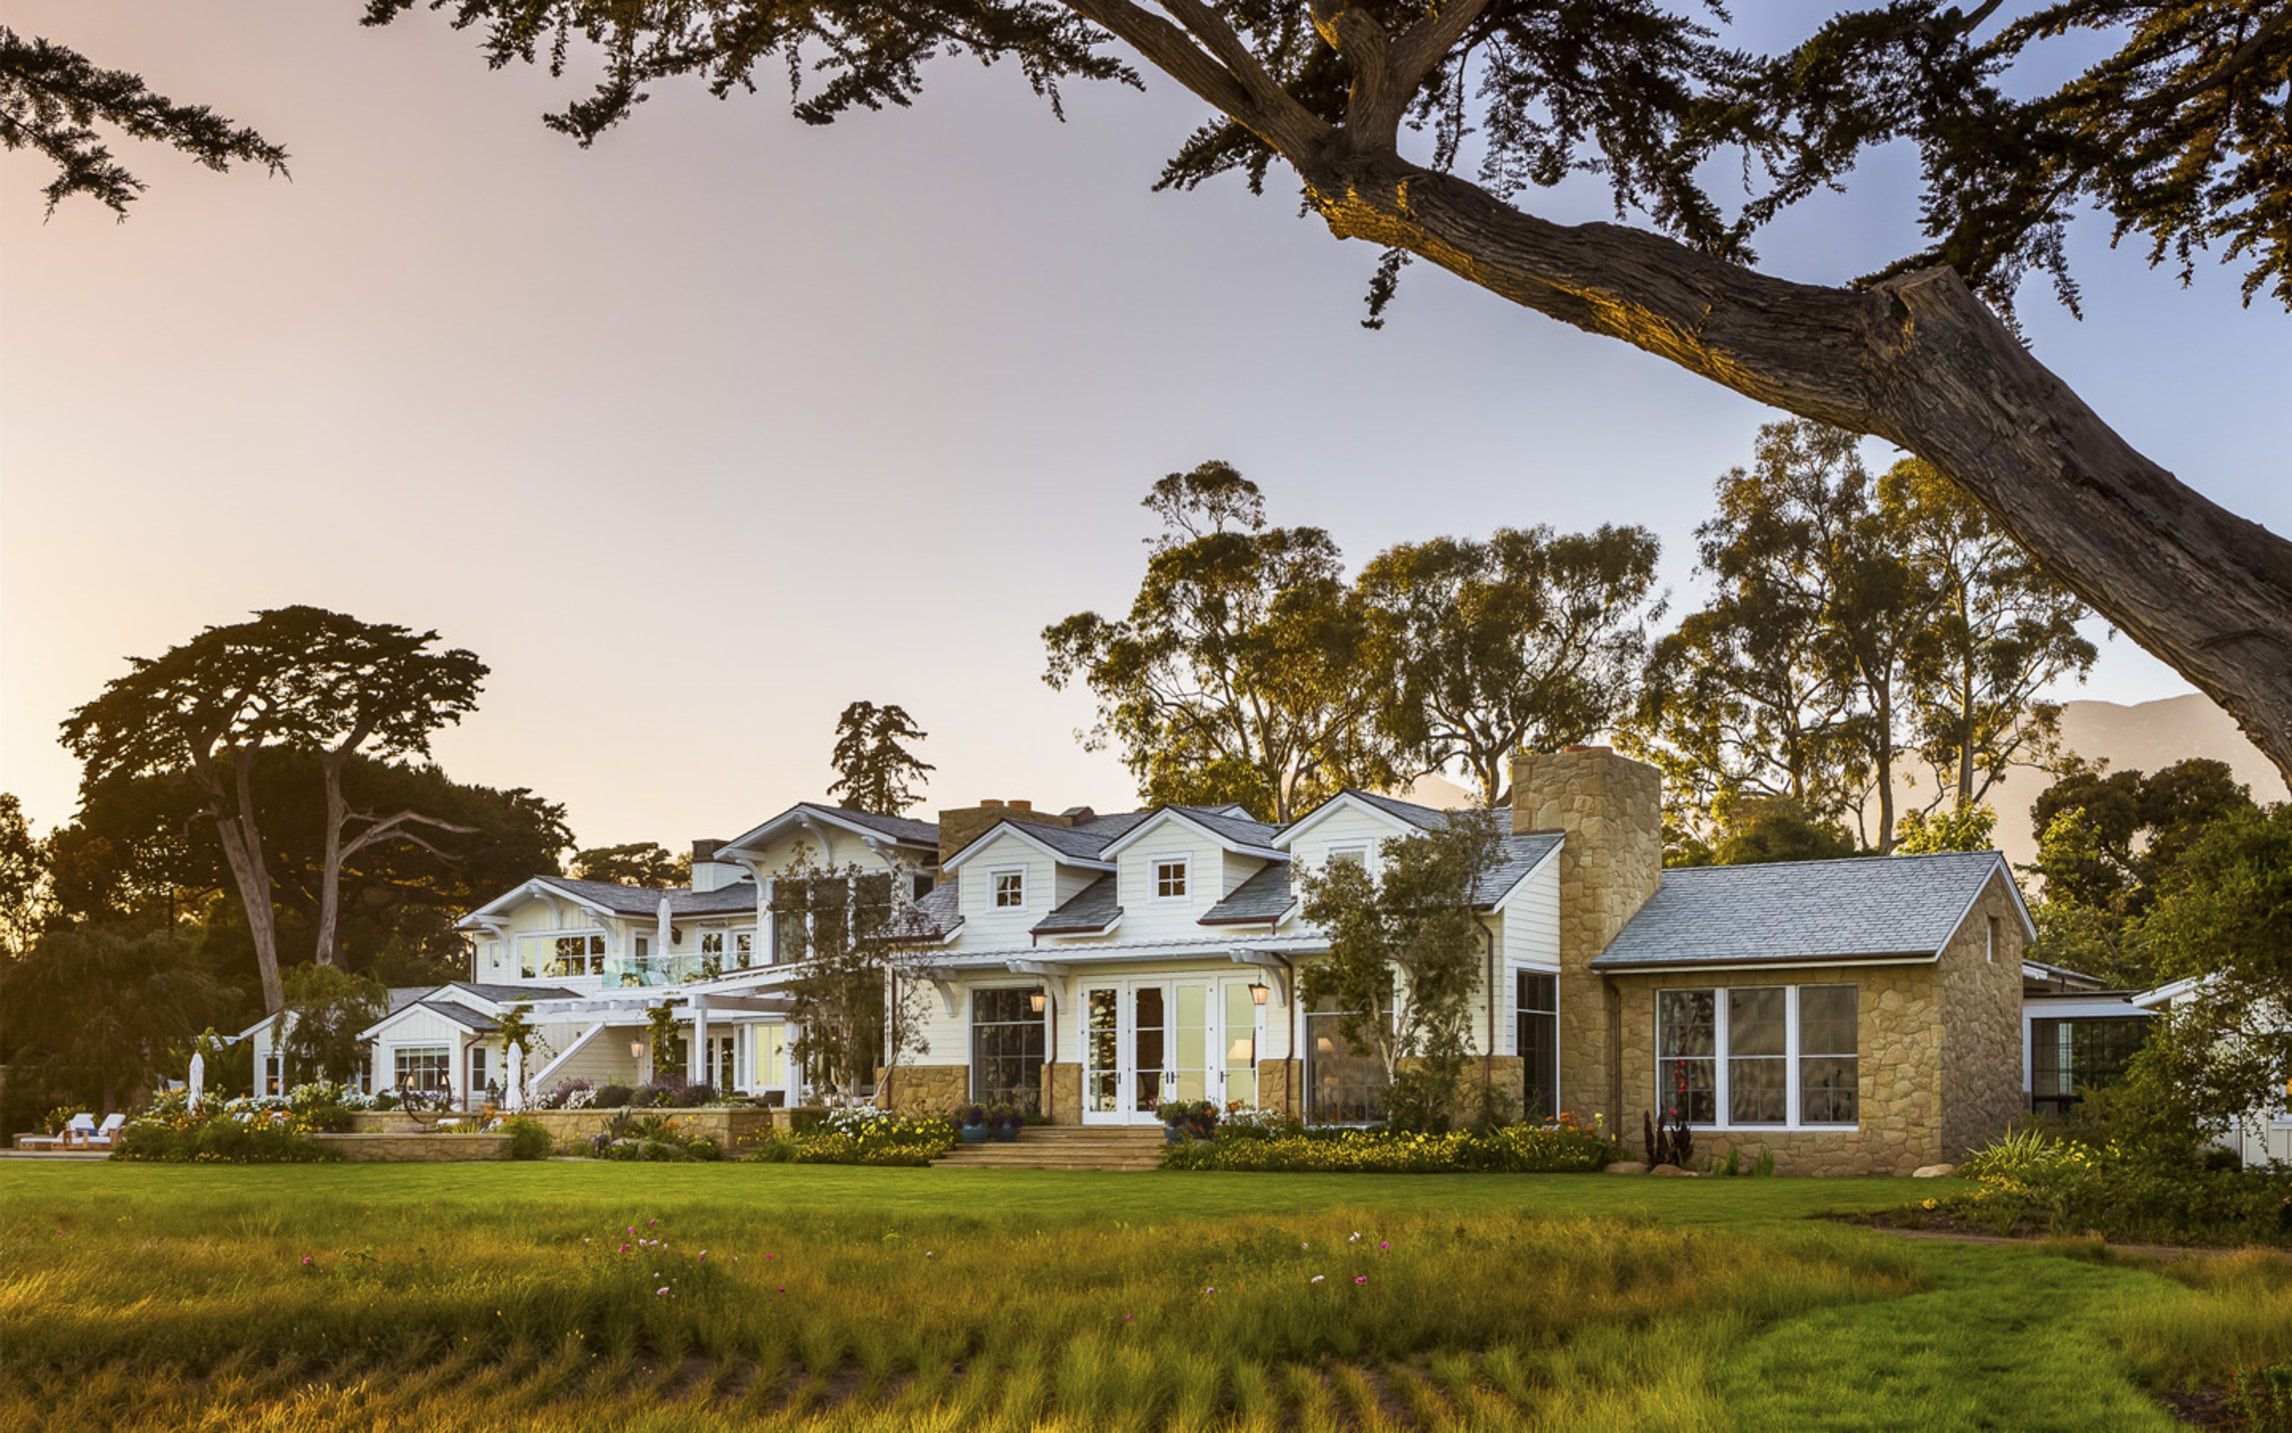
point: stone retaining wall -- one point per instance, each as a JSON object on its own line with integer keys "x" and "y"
{"x": 376, "y": 1148}
{"x": 732, "y": 1128}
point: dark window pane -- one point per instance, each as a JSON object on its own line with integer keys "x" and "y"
{"x": 1006, "y": 1047}
{"x": 1755, "y": 1020}
{"x": 1688, "y": 1084}
{"x": 1757, "y": 1091}
{"x": 1343, "y": 1085}
{"x": 1827, "y": 1020}
{"x": 1686, "y": 1023}
{"x": 1826, "y": 1090}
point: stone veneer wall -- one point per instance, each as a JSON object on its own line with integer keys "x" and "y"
{"x": 377, "y": 1148}
{"x": 1610, "y": 809}
{"x": 731, "y": 1127}
{"x": 1981, "y": 1025}
{"x": 1900, "y": 1086}
{"x": 1281, "y": 1086}
{"x": 928, "y": 1089}
{"x": 1062, "y": 1093}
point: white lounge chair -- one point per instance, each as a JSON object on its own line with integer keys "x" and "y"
{"x": 106, "y": 1132}
{"x": 79, "y": 1130}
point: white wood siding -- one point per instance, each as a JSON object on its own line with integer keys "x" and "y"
{"x": 1146, "y": 916}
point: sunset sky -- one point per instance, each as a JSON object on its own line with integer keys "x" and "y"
{"x": 703, "y": 433}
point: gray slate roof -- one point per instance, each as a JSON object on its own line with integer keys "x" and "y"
{"x": 1264, "y": 896}
{"x": 462, "y": 1015}
{"x": 646, "y": 900}
{"x": 1229, "y": 822}
{"x": 941, "y": 907}
{"x": 1424, "y": 818}
{"x": 898, "y": 828}
{"x": 503, "y": 994}
{"x": 1090, "y": 909}
{"x": 1079, "y": 842}
{"x": 1856, "y": 909}
{"x": 402, "y": 996}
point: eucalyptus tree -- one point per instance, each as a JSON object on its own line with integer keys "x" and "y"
{"x": 633, "y": 863}
{"x": 1237, "y": 674}
{"x": 1529, "y": 638}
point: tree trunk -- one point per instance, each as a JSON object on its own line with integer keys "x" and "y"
{"x": 235, "y": 829}
{"x": 1916, "y": 360}
{"x": 330, "y": 862}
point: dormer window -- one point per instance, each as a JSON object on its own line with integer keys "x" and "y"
{"x": 1349, "y": 856}
{"x": 1170, "y": 879}
{"x": 1010, "y": 889}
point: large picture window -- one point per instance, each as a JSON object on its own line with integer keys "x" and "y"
{"x": 1006, "y": 1048}
{"x": 423, "y": 1067}
{"x": 1779, "y": 1056}
{"x": 1537, "y": 1034}
{"x": 1342, "y": 1085}
{"x": 558, "y": 956}
{"x": 2067, "y": 1057}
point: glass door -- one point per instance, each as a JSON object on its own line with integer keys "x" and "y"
{"x": 1149, "y": 1069}
{"x": 1193, "y": 1051}
{"x": 1238, "y": 1039}
{"x": 1102, "y": 1055}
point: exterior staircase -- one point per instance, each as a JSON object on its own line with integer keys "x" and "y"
{"x": 1064, "y": 1147}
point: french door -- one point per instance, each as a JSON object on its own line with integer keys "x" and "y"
{"x": 1147, "y": 1041}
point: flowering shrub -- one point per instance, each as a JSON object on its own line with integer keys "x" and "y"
{"x": 1563, "y": 1146}
{"x": 251, "y": 1134}
{"x": 568, "y": 1095}
{"x": 2031, "y": 1180}
{"x": 1198, "y": 1118}
{"x": 53, "y": 1121}
{"x": 862, "y": 1136}
{"x": 1252, "y": 1122}
{"x": 650, "y": 1137}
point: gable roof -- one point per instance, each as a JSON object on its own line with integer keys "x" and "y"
{"x": 941, "y": 909}
{"x": 899, "y": 829}
{"x": 503, "y": 994}
{"x": 461, "y": 1015}
{"x": 1267, "y": 895}
{"x": 1803, "y": 912}
{"x": 1067, "y": 844}
{"x": 1226, "y": 825}
{"x": 646, "y": 900}
{"x": 1091, "y": 909}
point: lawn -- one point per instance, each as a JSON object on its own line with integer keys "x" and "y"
{"x": 500, "y": 1296}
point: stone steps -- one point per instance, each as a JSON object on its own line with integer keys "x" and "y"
{"x": 1063, "y": 1147}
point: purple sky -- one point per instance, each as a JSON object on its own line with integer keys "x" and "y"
{"x": 703, "y": 433}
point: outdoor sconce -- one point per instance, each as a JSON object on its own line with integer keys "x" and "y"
{"x": 1257, "y": 992}
{"x": 1036, "y": 1001}
{"x": 636, "y": 1049}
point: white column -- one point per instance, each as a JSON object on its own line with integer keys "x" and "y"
{"x": 697, "y": 1056}
{"x": 662, "y": 933}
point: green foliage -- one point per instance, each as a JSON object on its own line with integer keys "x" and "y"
{"x": 1854, "y": 623}
{"x": 1414, "y": 927}
{"x": 214, "y": 1138}
{"x": 52, "y": 98}
{"x": 326, "y": 1009}
{"x": 637, "y": 863}
{"x": 528, "y": 1138}
{"x": 864, "y": 1137}
{"x": 875, "y": 771}
{"x": 2032, "y": 1180}
{"x": 1560, "y": 1148}
{"x": 1237, "y": 675}
{"x": 2222, "y": 914}
{"x": 23, "y": 878}
{"x": 1528, "y": 639}
{"x": 1750, "y": 831}
{"x": 107, "y": 1005}
{"x": 856, "y": 998}
{"x": 1962, "y": 828}
{"x": 2262, "y": 1397}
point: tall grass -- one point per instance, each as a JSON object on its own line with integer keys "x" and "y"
{"x": 2231, "y": 1312}
{"x": 832, "y": 1319}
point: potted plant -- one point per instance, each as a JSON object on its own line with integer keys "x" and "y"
{"x": 973, "y": 1125}
{"x": 1172, "y": 1113}
{"x": 1004, "y": 1121}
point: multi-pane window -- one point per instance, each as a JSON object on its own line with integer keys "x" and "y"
{"x": 423, "y": 1067}
{"x": 566, "y": 954}
{"x": 1169, "y": 879}
{"x": 791, "y": 935}
{"x": 1006, "y": 1048}
{"x": 274, "y": 1074}
{"x": 1687, "y": 1047}
{"x": 712, "y": 945}
{"x": 1758, "y": 1065}
{"x": 1537, "y": 1027}
{"x": 1349, "y": 856}
{"x": 1758, "y": 1055}
{"x": 1010, "y": 889}
{"x": 2067, "y": 1057}
{"x": 1343, "y": 1085}
{"x": 478, "y": 1080}
{"x": 743, "y": 948}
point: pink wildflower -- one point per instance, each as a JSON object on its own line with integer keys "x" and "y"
{"x": 703, "y": 1255}
{"x": 1360, "y": 1278}
{"x": 306, "y": 1261}
{"x": 661, "y": 1292}
{"x": 624, "y": 1249}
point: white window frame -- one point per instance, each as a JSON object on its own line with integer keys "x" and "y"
{"x": 712, "y": 942}
{"x": 1721, "y": 1056}
{"x": 1990, "y": 940}
{"x": 1185, "y": 868}
{"x": 1350, "y": 851}
{"x": 426, "y": 1048}
{"x": 544, "y": 948}
{"x": 1018, "y": 875}
{"x": 743, "y": 949}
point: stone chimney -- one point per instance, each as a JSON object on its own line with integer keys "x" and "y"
{"x": 1610, "y": 809}
{"x": 963, "y": 825}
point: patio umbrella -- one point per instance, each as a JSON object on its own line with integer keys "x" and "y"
{"x": 198, "y": 1080}
{"x": 514, "y": 1097}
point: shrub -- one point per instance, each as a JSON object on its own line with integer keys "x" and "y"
{"x": 568, "y": 1095}
{"x": 862, "y": 1136}
{"x": 690, "y": 1097}
{"x": 2263, "y": 1398}
{"x": 2032, "y": 1180}
{"x": 650, "y": 1137}
{"x": 528, "y": 1139}
{"x": 218, "y": 1139}
{"x": 1252, "y": 1122}
{"x": 323, "y": 1105}
{"x": 53, "y": 1121}
{"x": 612, "y": 1097}
{"x": 1198, "y": 1118}
{"x": 1560, "y": 1147}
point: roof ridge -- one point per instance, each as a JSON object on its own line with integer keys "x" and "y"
{"x": 1825, "y": 860}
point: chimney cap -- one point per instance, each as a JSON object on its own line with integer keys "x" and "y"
{"x": 1020, "y": 805}
{"x": 704, "y": 848}
{"x": 990, "y": 804}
